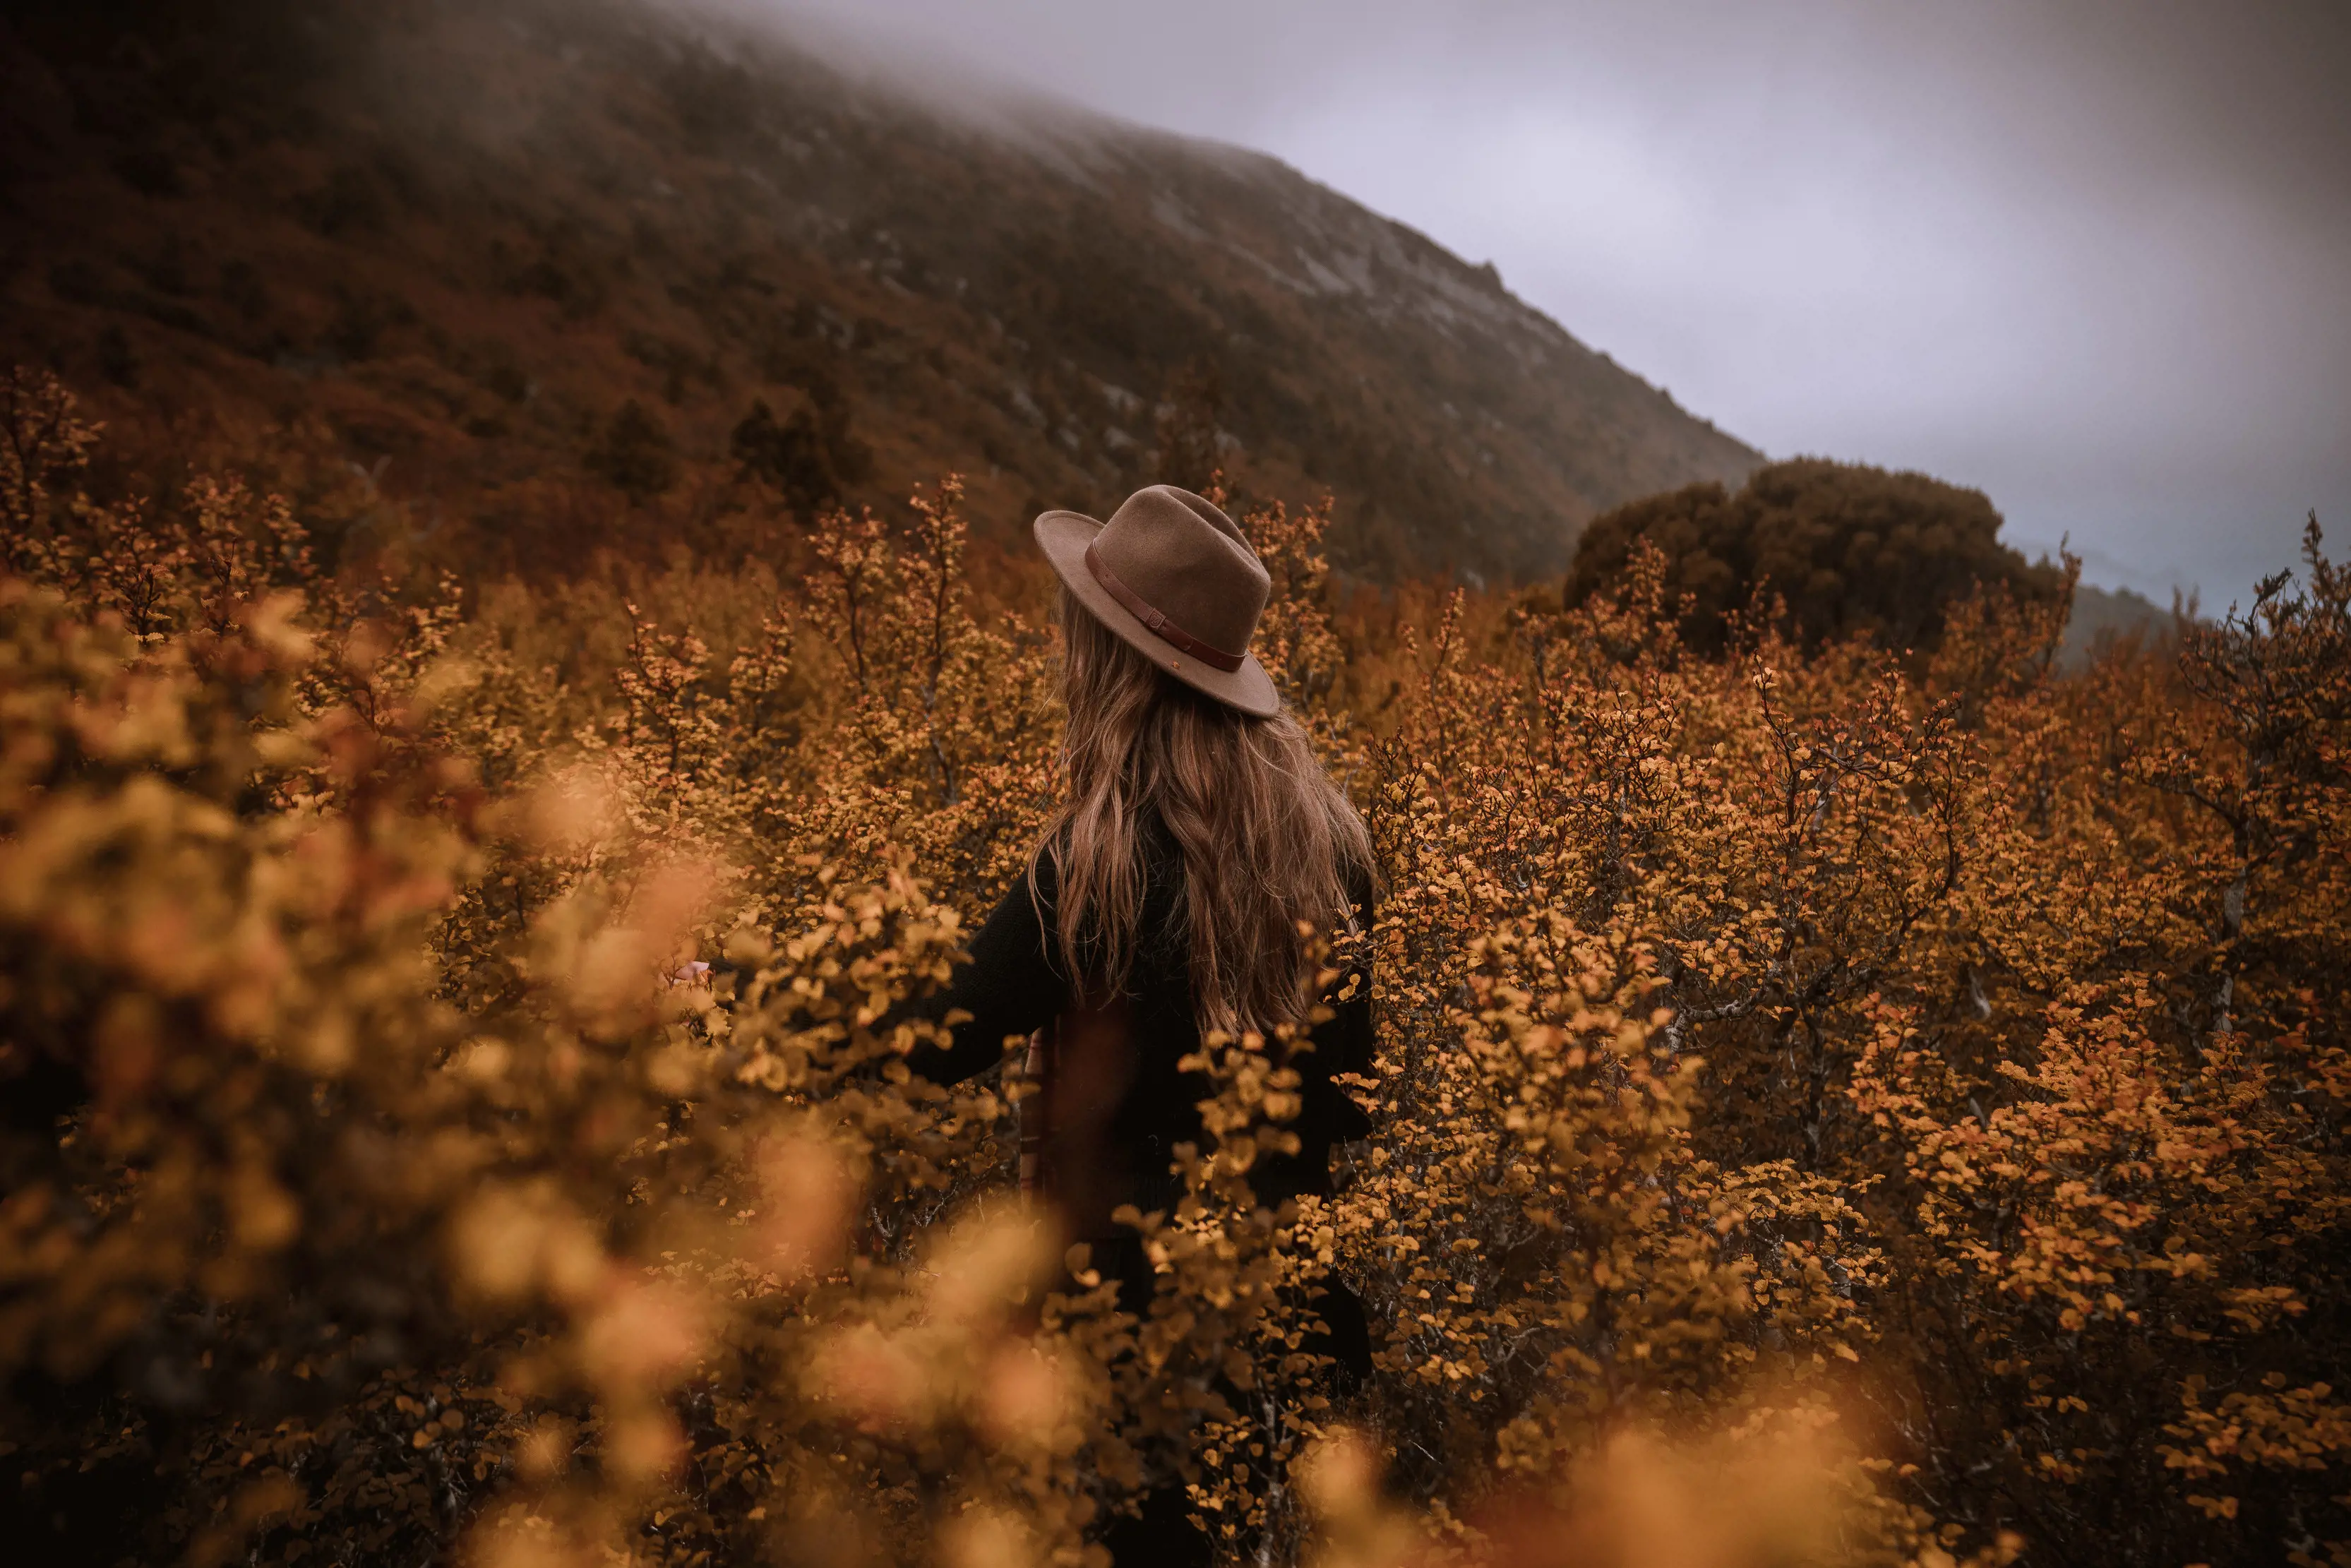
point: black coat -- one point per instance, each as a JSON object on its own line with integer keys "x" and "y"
{"x": 1015, "y": 983}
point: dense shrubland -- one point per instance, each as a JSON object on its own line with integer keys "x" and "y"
{"x": 1834, "y": 1104}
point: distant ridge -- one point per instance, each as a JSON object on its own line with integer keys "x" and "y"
{"x": 457, "y": 239}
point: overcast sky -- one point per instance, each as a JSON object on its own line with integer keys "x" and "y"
{"x": 2094, "y": 259}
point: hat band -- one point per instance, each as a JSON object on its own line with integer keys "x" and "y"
{"x": 1166, "y": 630}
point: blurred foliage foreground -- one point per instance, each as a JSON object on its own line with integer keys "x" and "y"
{"x": 1835, "y": 1104}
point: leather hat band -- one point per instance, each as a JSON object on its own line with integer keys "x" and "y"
{"x": 1166, "y": 630}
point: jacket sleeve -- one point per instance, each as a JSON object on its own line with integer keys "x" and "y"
{"x": 1010, "y": 988}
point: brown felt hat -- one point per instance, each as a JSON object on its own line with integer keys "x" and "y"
{"x": 1173, "y": 576}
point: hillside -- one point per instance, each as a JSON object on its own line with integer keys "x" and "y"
{"x": 448, "y": 245}
{"x": 2102, "y": 615}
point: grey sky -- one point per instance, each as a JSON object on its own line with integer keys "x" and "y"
{"x": 2094, "y": 258}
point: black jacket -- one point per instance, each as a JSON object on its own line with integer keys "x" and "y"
{"x": 1015, "y": 984}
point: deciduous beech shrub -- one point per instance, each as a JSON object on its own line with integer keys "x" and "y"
{"x": 1833, "y": 1106}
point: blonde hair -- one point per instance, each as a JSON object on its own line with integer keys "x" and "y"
{"x": 1268, "y": 840}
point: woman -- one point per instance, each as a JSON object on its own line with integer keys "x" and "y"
{"x": 1199, "y": 830}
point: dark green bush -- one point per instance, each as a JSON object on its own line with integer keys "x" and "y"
{"x": 634, "y": 454}
{"x": 790, "y": 454}
{"x": 1841, "y": 547}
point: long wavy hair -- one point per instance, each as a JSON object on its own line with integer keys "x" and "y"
{"x": 1268, "y": 840}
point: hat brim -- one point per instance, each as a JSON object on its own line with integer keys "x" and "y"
{"x": 1064, "y": 536}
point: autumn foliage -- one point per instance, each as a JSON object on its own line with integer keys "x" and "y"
{"x": 1835, "y": 1104}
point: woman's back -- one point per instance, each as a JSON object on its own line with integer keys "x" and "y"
{"x": 1117, "y": 1100}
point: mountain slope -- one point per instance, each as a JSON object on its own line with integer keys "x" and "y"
{"x": 450, "y": 242}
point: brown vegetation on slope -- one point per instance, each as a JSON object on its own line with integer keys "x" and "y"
{"x": 433, "y": 254}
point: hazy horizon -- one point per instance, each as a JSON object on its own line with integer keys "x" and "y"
{"x": 2090, "y": 260}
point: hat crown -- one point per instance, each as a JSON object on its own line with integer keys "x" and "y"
{"x": 1182, "y": 556}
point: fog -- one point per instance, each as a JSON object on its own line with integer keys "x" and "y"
{"x": 2095, "y": 259}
